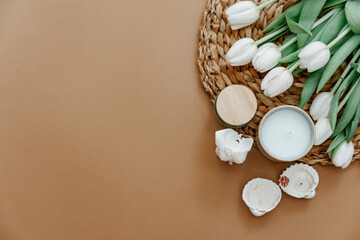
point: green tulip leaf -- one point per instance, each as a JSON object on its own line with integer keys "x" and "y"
{"x": 336, "y": 142}
{"x": 348, "y": 129}
{"x": 350, "y": 109}
{"x": 332, "y": 3}
{"x": 310, "y": 86}
{"x": 351, "y": 130}
{"x": 296, "y": 28}
{"x": 338, "y": 58}
{"x": 293, "y": 12}
{"x": 333, "y": 152}
{"x": 352, "y": 10}
{"x": 308, "y": 15}
{"x": 353, "y": 125}
{"x": 333, "y": 27}
{"x": 339, "y": 44}
{"x": 317, "y": 32}
{"x": 333, "y": 111}
{"x": 347, "y": 82}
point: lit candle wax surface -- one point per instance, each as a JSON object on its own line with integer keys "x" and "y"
{"x": 286, "y": 133}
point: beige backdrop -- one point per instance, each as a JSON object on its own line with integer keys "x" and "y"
{"x": 106, "y": 133}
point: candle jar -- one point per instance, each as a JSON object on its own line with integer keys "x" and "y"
{"x": 285, "y": 134}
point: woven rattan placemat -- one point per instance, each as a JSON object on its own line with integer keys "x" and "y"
{"x": 216, "y": 37}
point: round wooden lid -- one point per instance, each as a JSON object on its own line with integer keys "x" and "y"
{"x": 235, "y": 106}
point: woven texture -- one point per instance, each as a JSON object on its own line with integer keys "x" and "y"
{"x": 216, "y": 37}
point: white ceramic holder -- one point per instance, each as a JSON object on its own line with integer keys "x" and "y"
{"x": 299, "y": 180}
{"x": 261, "y": 196}
{"x": 231, "y": 146}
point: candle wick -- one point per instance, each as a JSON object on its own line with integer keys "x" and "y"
{"x": 237, "y": 141}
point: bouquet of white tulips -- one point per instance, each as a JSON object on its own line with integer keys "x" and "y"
{"x": 321, "y": 35}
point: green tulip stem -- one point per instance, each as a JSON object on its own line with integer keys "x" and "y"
{"x": 271, "y": 35}
{"x": 325, "y": 17}
{"x": 282, "y": 47}
{"x": 346, "y": 71}
{"x": 338, "y": 82}
{"x": 294, "y": 66}
{"x": 346, "y": 98}
{"x": 265, "y": 4}
{"x": 339, "y": 37}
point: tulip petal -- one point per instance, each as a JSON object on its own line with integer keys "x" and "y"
{"x": 239, "y": 46}
{"x": 279, "y": 85}
{"x": 240, "y": 7}
{"x": 277, "y": 81}
{"x": 311, "y": 49}
{"x": 320, "y": 60}
{"x": 321, "y": 105}
{"x": 242, "y": 53}
{"x": 270, "y": 76}
{"x": 238, "y": 26}
{"x": 266, "y": 57}
{"x": 322, "y": 131}
{"x": 246, "y": 18}
{"x": 343, "y": 155}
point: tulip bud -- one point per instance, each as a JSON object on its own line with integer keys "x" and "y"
{"x": 266, "y": 57}
{"x": 242, "y": 14}
{"x": 314, "y": 56}
{"x": 242, "y": 52}
{"x": 322, "y": 131}
{"x": 343, "y": 155}
{"x": 321, "y": 105}
{"x": 277, "y": 81}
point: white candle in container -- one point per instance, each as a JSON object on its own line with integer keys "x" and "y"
{"x": 286, "y": 133}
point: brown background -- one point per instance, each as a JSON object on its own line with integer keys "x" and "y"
{"x": 106, "y": 133}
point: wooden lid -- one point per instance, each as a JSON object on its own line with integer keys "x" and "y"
{"x": 235, "y": 106}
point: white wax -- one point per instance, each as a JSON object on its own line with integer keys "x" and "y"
{"x": 286, "y": 134}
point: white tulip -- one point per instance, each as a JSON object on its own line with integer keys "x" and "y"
{"x": 242, "y": 14}
{"x": 321, "y": 105}
{"x": 242, "y": 52}
{"x": 277, "y": 81}
{"x": 343, "y": 155}
{"x": 314, "y": 56}
{"x": 231, "y": 146}
{"x": 266, "y": 57}
{"x": 322, "y": 131}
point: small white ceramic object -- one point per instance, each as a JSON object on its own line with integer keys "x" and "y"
{"x": 261, "y": 196}
{"x": 231, "y": 146}
{"x": 299, "y": 180}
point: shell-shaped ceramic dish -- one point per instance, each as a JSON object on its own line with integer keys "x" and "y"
{"x": 261, "y": 196}
{"x": 299, "y": 180}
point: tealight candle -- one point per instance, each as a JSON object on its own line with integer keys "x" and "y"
{"x": 286, "y": 133}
